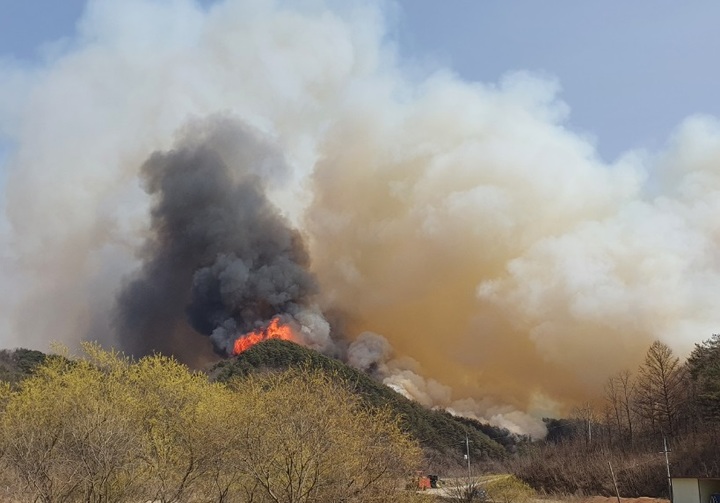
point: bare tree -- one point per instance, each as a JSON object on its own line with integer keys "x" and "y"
{"x": 619, "y": 395}
{"x": 659, "y": 388}
{"x": 585, "y": 415}
{"x": 614, "y": 405}
{"x": 627, "y": 386}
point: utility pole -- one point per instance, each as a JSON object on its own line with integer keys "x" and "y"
{"x": 467, "y": 454}
{"x": 667, "y": 465}
{"x": 612, "y": 472}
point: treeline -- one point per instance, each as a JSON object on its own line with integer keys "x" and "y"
{"x": 17, "y": 364}
{"x": 664, "y": 403}
{"x": 105, "y": 428}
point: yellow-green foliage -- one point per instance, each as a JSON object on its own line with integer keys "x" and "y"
{"x": 108, "y": 429}
{"x": 508, "y": 489}
{"x": 339, "y": 449}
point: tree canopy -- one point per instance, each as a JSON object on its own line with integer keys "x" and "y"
{"x": 105, "y": 429}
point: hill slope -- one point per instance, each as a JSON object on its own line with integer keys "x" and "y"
{"x": 17, "y": 364}
{"x": 441, "y": 434}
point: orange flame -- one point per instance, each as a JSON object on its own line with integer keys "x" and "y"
{"x": 274, "y": 330}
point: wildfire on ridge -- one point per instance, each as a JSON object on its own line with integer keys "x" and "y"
{"x": 274, "y": 330}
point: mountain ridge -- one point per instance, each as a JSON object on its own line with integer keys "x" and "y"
{"x": 441, "y": 434}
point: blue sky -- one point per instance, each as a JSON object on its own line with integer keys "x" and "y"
{"x": 27, "y": 24}
{"x": 630, "y": 71}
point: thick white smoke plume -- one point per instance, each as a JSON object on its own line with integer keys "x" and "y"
{"x": 499, "y": 256}
{"x": 372, "y": 353}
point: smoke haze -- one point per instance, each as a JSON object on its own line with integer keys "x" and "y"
{"x": 508, "y": 268}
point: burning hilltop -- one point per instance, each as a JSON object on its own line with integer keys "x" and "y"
{"x": 276, "y": 329}
{"x": 220, "y": 257}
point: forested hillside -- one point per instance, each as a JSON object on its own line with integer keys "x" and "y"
{"x": 71, "y": 428}
{"x": 441, "y": 434}
{"x": 17, "y": 364}
{"x": 105, "y": 428}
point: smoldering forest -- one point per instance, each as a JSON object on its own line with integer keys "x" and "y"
{"x": 220, "y": 259}
{"x": 189, "y": 174}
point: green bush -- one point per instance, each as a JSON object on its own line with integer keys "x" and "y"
{"x": 509, "y": 489}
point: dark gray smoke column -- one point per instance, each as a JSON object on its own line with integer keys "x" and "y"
{"x": 220, "y": 257}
